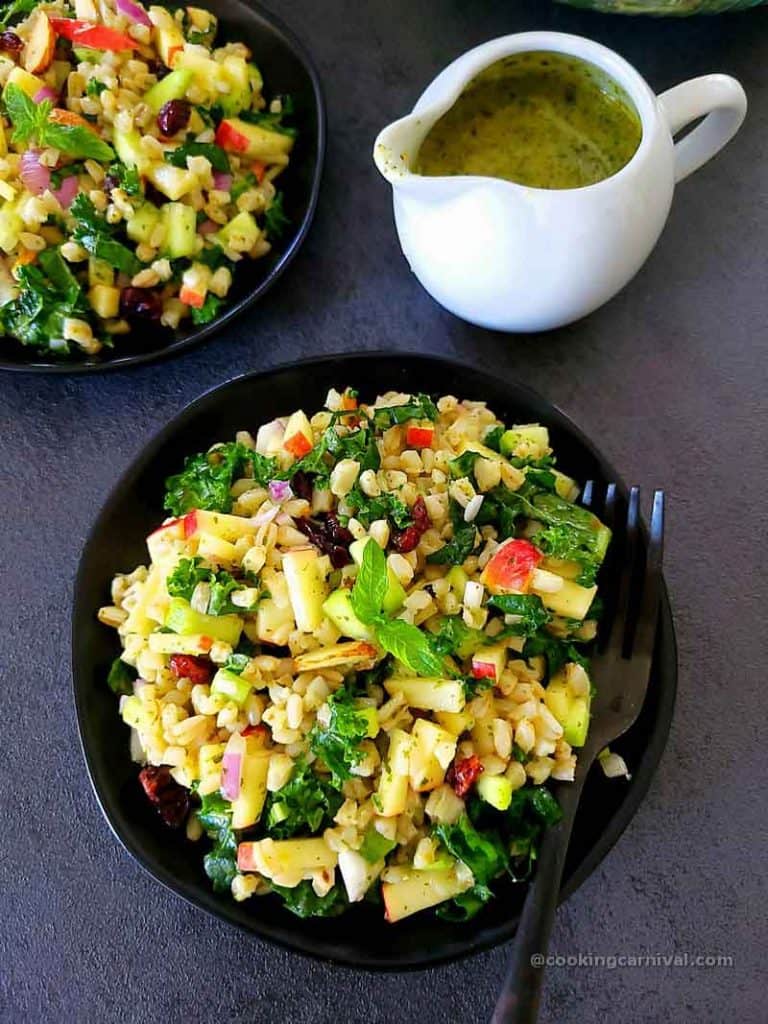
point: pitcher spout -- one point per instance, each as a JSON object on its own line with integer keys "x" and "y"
{"x": 397, "y": 147}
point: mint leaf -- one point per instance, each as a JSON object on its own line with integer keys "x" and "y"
{"x": 23, "y": 112}
{"x": 371, "y": 584}
{"x": 408, "y": 644}
{"x": 75, "y": 140}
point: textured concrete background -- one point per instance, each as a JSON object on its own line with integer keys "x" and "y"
{"x": 670, "y": 377}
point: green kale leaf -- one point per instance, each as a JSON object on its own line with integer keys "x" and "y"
{"x": 208, "y": 311}
{"x": 530, "y": 613}
{"x": 303, "y": 806}
{"x": 121, "y": 678}
{"x": 94, "y": 233}
{"x": 484, "y": 853}
{"x": 215, "y": 815}
{"x": 215, "y": 155}
{"x": 189, "y": 572}
{"x": 421, "y": 407}
{"x": 304, "y": 902}
{"x": 338, "y": 743}
{"x": 206, "y": 479}
{"x": 276, "y": 221}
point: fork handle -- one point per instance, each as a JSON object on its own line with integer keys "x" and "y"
{"x": 519, "y": 999}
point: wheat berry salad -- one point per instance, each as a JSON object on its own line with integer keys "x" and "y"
{"x": 355, "y": 659}
{"x": 138, "y": 166}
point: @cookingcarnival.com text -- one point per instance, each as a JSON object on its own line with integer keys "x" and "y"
{"x": 616, "y": 961}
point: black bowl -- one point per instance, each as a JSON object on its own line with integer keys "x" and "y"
{"x": 287, "y": 68}
{"x": 116, "y": 543}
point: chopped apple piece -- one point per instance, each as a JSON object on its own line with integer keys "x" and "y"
{"x": 418, "y": 890}
{"x": 432, "y": 751}
{"x": 572, "y": 601}
{"x": 229, "y": 528}
{"x": 489, "y": 662}
{"x": 306, "y": 586}
{"x": 173, "y": 182}
{"x": 286, "y": 861}
{"x": 392, "y": 796}
{"x": 511, "y": 568}
{"x": 247, "y": 807}
{"x": 298, "y": 438}
{"x": 172, "y": 643}
{"x": 428, "y": 694}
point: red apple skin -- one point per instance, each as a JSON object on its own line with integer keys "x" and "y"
{"x": 190, "y": 524}
{"x": 511, "y": 568}
{"x": 483, "y": 670}
{"x": 230, "y": 138}
{"x": 168, "y": 526}
{"x": 245, "y": 858}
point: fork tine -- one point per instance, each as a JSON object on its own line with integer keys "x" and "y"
{"x": 588, "y": 495}
{"x": 649, "y": 609}
{"x": 609, "y": 513}
{"x": 625, "y": 561}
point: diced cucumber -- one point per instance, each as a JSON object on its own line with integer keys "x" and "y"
{"x": 128, "y": 147}
{"x": 241, "y": 234}
{"x": 183, "y": 619}
{"x": 231, "y": 685}
{"x": 87, "y": 53}
{"x": 141, "y": 226}
{"x": 496, "y": 790}
{"x": 172, "y": 87}
{"x": 234, "y": 72}
{"x": 180, "y": 225}
{"x": 375, "y": 846}
{"x": 571, "y": 711}
{"x": 395, "y": 595}
{"x": 531, "y": 436}
{"x": 100, "y": 272}
{"x": 338, "y": 608}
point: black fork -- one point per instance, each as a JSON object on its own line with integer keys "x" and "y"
{"x": 620, "y": 672}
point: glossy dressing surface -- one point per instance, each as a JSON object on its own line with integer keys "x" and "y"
{"x": 543, "y": 119}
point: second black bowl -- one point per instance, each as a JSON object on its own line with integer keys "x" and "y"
{"x": 287, "y": 69}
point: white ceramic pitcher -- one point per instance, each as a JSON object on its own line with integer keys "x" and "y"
{"x": 515, "y": 258}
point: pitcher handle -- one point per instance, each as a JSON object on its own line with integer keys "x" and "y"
{"x": 720, "y": 100}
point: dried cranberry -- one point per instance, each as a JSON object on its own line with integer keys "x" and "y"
{"x": 330, "y": 536}
{"x": 157, "y": 68}
{"x": 301, "y": 483}
{"x": 10, "y": 42}
{"x": 406, "y": 540}
{"x": 141, "y": 302}
{"x": 339, "y": 534}
{"x": 170, "y": 800}
{"x": 173, "y": 116}
{"x": 420, "y": 515}
{"x": 186, "y": 666}
{"x": 463, "y": 774}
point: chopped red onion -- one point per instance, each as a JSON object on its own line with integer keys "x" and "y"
{"x": 36, "y": 177}
{"x": 222, "y": 182}
{"x": 45, "y": 93}
{"x": 134, "y": 12}
{"x": 67, "y": 191}
{"x": 266, "y": 514}
{"x": 280, "y": 490}
{"x": 231, "y": 774}
{"x": 208, "y": 227}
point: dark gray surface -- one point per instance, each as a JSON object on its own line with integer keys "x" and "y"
{"x": 670, "y": 376}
